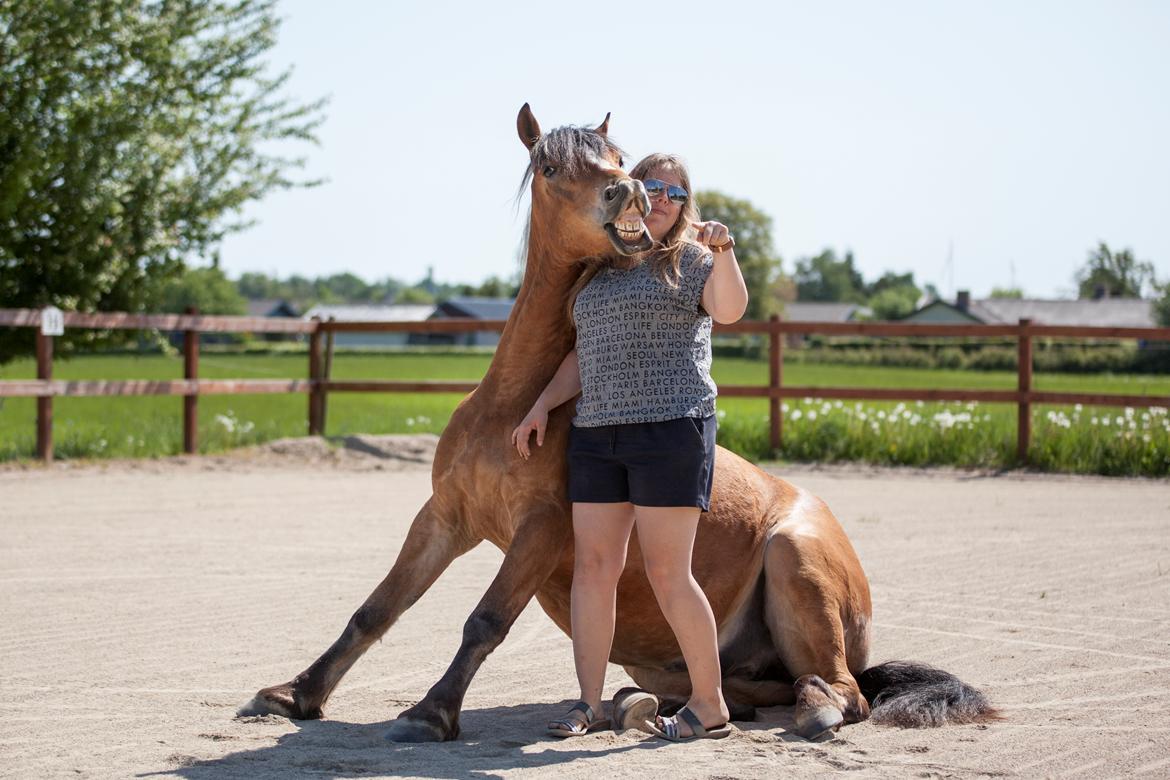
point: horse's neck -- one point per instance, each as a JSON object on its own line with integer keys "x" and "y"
{"x": 537, "y": 337}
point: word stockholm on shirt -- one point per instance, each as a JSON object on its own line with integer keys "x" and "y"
{"x": 644, "y": 348}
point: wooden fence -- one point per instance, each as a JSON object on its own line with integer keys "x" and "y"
{"x": 318, "y": 382}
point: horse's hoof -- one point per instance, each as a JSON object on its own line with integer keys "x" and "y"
{"x": 632, "y": 707}
{"x": 410, "y": 730}
{"x": 811, "y": 725}
{"x": 277, "y": 700}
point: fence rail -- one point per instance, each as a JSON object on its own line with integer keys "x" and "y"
{"x": 318, "y": 383}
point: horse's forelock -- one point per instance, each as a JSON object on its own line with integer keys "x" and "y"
{"x": 572, "y": 150}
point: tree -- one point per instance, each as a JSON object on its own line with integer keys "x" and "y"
{"x": 893, "y": 295}
{"x": 257, "y": 286}
{"x": 207, "y": 289}
{"x": 1113, "y": 274}
{"x": 132, "y": 134}
{"x": 758, "y": 261}
{"x": 1162, "y": 305}
{"x": 890, "y": 281}
{"x": 1007, "y": 292}
{"x": 894, "y": 303}
{"x": 825, "y": 278}
{"x": 347, "y": 287}
{"x": 414, "y": 295}
{"x": 492, "y": 287}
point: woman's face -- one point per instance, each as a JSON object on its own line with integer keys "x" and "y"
{"x": 663, "y": 212}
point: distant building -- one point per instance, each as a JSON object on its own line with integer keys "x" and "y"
{"x": 274, "y": 307}
{"x": 394, "y": 312}
{"x": 820, "y": 311}
{"x": 1101, "y": 312}
{"x": 478, "y": 308}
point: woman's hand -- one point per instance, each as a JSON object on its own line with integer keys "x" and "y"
{"x": 537, "y": 420}
{"x": 711, "y": 233}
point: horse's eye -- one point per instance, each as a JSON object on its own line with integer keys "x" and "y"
{"x": 621, "y": 162}
{"x": 549, "y": 170}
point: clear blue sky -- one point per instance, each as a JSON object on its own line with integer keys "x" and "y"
{"x": 1021, "y": 133}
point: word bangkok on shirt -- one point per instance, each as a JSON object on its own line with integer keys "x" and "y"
{"x": 644, "y": 349}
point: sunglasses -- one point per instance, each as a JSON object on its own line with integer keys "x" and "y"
{"x": 674, "y": 193}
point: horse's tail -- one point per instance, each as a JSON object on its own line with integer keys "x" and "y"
{"x": 913, "y": 695}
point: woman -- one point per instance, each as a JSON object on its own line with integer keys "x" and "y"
{"x": 642, "y": 444}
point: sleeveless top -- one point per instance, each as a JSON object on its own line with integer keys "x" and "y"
{"x": 643, "y": 348}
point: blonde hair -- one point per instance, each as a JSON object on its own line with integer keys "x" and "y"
{"x": 666, "y": 255}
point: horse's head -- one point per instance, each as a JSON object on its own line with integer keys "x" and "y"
{"x": 582, "y": 200}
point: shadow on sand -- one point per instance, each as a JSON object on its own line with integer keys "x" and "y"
{"x": 493, "y": 741}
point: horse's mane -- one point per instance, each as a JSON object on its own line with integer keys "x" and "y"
{"x": 570, "y": 149}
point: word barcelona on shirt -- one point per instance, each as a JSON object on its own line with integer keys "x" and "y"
{"x": 643, "y": 347}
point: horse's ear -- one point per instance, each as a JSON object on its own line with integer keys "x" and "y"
{"x": 527, "y": 127}
{"x": 603, "y": 128}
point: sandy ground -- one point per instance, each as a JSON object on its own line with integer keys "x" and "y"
{"x": 143, "y": 602}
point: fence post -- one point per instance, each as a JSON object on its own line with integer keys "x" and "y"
{"x": 326, "y": 373}
{"x": 191, "y": 400}
{"x": 315, "y": 389}
{"x": 775, "y": 378}
{"x": 44, "y": 402}
{"x": 1024, "y": 420}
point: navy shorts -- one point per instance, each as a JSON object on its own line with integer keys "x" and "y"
{"x": 668, "y": 463}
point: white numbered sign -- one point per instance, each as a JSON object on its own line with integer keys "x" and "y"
{"x": 52, "y": 321}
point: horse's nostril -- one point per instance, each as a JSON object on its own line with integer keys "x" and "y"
{"x": 610, "y": 193}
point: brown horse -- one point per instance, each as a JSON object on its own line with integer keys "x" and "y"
{"x": 790, "y": 599}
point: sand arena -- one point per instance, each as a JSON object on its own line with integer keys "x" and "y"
{"x": 144, "y": 601}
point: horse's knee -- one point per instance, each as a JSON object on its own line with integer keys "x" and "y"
{"x": 485, "y": 629}
{"x": 370, "y": 620}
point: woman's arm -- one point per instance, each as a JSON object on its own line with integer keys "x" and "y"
{"x": 725, "y": 295}
{"x": 565, "y": 384}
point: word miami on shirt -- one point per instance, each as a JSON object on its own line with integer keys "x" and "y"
{"x": 643, "y": 347}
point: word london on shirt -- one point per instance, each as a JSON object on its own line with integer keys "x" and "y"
{"x": 644, "y": 348}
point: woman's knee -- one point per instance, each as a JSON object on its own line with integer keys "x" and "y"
{"x": 667, "y": 576}
{"x": 598, "y": 565}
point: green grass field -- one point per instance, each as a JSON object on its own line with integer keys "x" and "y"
{"x": 1109, "y": 441}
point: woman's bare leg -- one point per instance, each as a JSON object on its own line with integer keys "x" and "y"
{"x": 667, "y": 536}
{"x": 601, "y": 533}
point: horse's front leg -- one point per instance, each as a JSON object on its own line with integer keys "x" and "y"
{"x": 434, "y": 540}
{"x": 535, "y": 551}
